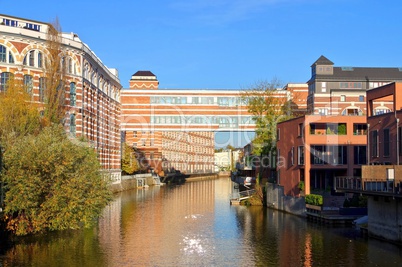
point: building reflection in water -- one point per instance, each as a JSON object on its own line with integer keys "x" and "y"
{"x": 194, "y": 224}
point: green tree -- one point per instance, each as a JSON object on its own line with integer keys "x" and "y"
{"x": 52, "y": 183}
{"x": 129, "y": 162}
{"x": 268, "y": 105}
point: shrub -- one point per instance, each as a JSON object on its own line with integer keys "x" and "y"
{"x": 52, "y": 184}
{"x": 314, "y": 199}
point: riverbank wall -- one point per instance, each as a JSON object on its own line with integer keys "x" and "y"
{"x": 133, "y": 181}
{"x": 276, "y": 199}
{"x": 144, "y": 180}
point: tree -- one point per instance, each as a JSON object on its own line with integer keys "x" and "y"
{"x": 129, "y": 162}
{"x": 52, "y": 183}
{"x": 18, "y": 115}
{"x": 268, "y": 105}
{"x": 55, "y": 76}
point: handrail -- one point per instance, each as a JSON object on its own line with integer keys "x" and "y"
{"x": 367, "y": 184}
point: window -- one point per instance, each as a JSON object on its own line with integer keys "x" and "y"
{"x": 40, "y": 60}
{"x": 135, "y": 133}
{"x": 351, "y": 85}
{"x": 333, "y": 155}
{"x": 72, "y": 94}
{"x": 278, "y": 156}
{"x": 42, "y": 85}
{"x": 386, "y": 142}
{"x": 360, "y": 155}
{"x": 134, "y": 144}
{"x": 374, "y": 143}
{"x": 28, "y": 83}
{"x": 361, "y": 98}
{"x": 300, "y": 152}
{"x": 31, "y": 58}
{"x": 292, "y": 155}
{"x": 324, "y": 87}
{"x": 5, "y": 55}
{"x": 151, "y": 155}
{"x": 323, "y": 111}
{"x": 300, "y": 130}
{"x": 352, "y": 111}
{"x": 359, "y": 129}
{"x": 70, "y": 65}
{"x": 72, "y": 124}
{"x": 142, "y": 142}
{"x": 151, "y": 142}
{"x": 4, "y": 78}
{"x": 381, "y": 110}
{"x": 343, "y": 98}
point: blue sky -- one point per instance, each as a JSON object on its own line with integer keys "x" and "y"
{"x": 230, "y": 44}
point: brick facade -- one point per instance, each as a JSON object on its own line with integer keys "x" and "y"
{"x": 92, "y": 91}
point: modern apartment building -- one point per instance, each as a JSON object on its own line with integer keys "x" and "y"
{"x": 176, "y": 127}
{"x": 313, "y": 149}
{"x": 332, "y": 140}
{"x": 92, "y": 90}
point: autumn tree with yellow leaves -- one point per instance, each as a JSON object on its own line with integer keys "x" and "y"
{"x": 49, "y": 182}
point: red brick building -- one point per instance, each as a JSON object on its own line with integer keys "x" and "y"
{"x": 92, "y": 92}
{"x": 176, "y": 127}
{"x": 384, "y": 141}
{"x": 332, "y": 141}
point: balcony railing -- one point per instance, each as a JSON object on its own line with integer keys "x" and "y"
{"x": 368, "y": 185}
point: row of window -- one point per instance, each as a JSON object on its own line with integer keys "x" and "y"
{"x": 5, "y": 77}
{"x": 16, "y": 23}
{"x": 222, "y": 121}
{"x": 354, "y": 111}
{"x": 35, "y": 58}
{"x": 220, "y": 101}
{"x": 328, "y": 155}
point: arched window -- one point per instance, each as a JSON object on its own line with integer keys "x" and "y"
{"x": 72, "y": 124}
{"x": 381, "y": 110}
{"x": 5, "y": 55}
{"x": 4, "y": 78}
{"x": 352, "y": 111}
{"x": 72, "y": 94}
{"x": 28, "y": 83}
{"x": 42, "y": 85}
{"x": 33, "y": 58}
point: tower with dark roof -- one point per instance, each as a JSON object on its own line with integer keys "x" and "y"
{"x": 144, "y": 79}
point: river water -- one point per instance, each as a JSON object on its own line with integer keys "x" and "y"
{"x": 194, "y": 225}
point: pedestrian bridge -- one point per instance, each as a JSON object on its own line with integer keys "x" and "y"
{"x": 185, "y": 110}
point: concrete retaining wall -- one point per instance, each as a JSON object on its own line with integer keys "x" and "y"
{"x": 385, "y": 218}
{"x": 277, "y": 200}
{"x": 132, "y": 181}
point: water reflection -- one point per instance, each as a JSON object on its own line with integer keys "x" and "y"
{"x": 194, "y": 224}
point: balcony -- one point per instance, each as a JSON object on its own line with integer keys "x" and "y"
{"x": 368, "y": 186}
